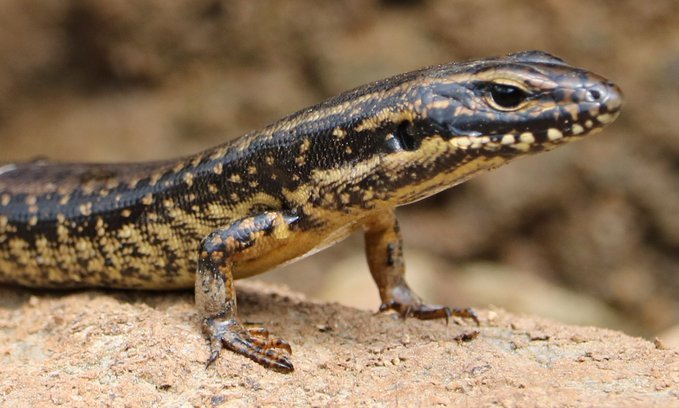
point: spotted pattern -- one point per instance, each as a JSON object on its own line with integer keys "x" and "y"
{"x": 334, "y": 165}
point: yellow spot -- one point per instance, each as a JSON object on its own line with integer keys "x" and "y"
{"x": 33, "y": 209}
{"x": 179, "y": 167}
{"x": 33, "y": 221}
{"x": 606, "y": 118}
{"x": 507, "y": 139}
{"x": 31, "y": 200}
{"x": 126, "y": 213}
{"x": 252, "y": 170}
{"x": 527, "y": 137}
{"x": 554, "y": 134}
{"x": 269, "y": 160}
{"x": 155, "y": 177}
{"x": 218, "y": 154}
{"x": 212, "y": 188}
{"x": 589, "y": 124}
{"x": 42, "y": 243}
{"x": 235, "y": 178}
{"x": 304, "y": 147}
{"x": 577, "y": 129}
{"x": 147, "y": 199}
{"x": 478, "y": 141}
{"x": 64, "y": 199}
{"x": 348, "y": 150}
{"x": 339, "y": 133}
{"x": 218, "y": 168}
{"x": 133, "y": 183}
{"x": 461, "y": 142}
{"x": 62, "y": 233}
{"x": 125, "y": 232}
{"x": 4, "y": 200}
{"x": 87, "y": 188}
{"x": 3, "y": 221}
{"x": 300, "y": 160}
{"x": 111, "y": 183}
{"x": 573, "y": 111}
{"x": 86, "y": 209}
{"x": 188, "y": 179}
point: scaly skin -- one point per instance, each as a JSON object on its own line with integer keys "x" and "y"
{"x": 292, "y": 188}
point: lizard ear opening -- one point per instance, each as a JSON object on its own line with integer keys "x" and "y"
{"x": 405, "y": 136}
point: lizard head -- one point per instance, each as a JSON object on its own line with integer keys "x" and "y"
{"x": 524, "y": 101}
{"x": 460, "y": 119}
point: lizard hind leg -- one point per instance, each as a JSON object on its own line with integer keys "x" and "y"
{"x": 216, "y": 296}
{"x": 384, "y": 251}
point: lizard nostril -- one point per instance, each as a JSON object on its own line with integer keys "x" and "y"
{"x": 593, "y": 95}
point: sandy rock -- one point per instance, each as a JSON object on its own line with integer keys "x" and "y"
{"x": 109, "y": 348}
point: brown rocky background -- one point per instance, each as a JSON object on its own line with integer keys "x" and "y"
{"x": 588, "y": 234}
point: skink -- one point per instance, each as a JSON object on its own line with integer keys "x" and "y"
{"x": 292, "y": 188}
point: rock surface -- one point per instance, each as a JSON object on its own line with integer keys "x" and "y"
{"x": 110, "y": 348}
{"x": 121, "y": 80}
{"x": 134, "y": 80}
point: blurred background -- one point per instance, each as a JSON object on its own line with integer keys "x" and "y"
{"x": 587, "y": 234}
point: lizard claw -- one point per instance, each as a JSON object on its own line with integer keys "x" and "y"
{"x": 253, "y": 343}
{"x": 428, "y": 312}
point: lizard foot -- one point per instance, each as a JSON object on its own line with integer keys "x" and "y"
{"x": 253, "y": 343}
{"x": 427, "y": 312}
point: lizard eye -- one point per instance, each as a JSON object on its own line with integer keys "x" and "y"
{"x": 505, "y": 97}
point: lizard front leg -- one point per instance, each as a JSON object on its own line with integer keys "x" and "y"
{"x": 219, "y": 254}
{"x": 384, "y": 250}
